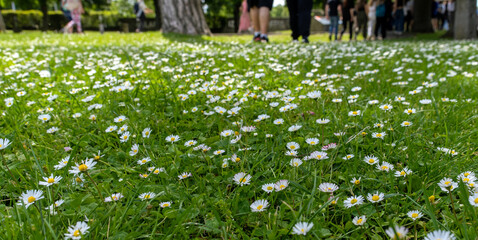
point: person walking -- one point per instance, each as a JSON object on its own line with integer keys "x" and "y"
{"x": 140, "y": 10}
{"x": 76, "y": 9}
{"x": 371, "y": 18}
{"x": 409, "y": 16}
{"x": 434, "y": 11}
{"x": 399, "y": 16}
{"x": 362, "y": 9}
{"x": 348, "y": 17}
{"x": 260, "y": 15}
{"x": 332, "y": 11}
{"x": 381, "y": 23}
{"x": 245, "y": 21}
{"x": 67, "y": 15}
{"x": 299, "y": 19}
{"x": 450, "y": 7}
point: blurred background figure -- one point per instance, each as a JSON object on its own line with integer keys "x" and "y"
{"x": 348, "y": 18}
{"x": 67, "y": 15}
{"x": 332, "y": 11}
{"x": 260, "y": 11}
{"x": 435, "y": 15}
{"x": 372, "y": 19}
{"x": 76, "y": 9}
{"x": 140, "y": 10}
{"x": 381, "y": 24}
{"x": 398, "y": 16}
{"x": 408, "y": 23}
{"x": 245, "y": 21}
{"x": 299, "y": 19}
{"x": 361, "y": 23}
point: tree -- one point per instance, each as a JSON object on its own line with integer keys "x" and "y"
{"x": 422, "y": 17}
{"x": 183, "y": 16}
{"x": 465, "y": 19}
{"x": 44, "y": 10}
{"x": 2, "y": 23}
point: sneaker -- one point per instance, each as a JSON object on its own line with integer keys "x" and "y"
{"x": 264, "y": 39}
{"x": 330, "y": 37}
{"x": 305, "y": 40}
{"x": 256, "y": 38}
{"x": 295, "y": 40}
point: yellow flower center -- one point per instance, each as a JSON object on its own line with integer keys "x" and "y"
{"x": 414, "y": 215}
{"x": 431, "y": 198}
{"x": 238, "y": 159}
{"x": 125, "y": 137}
{"x": 312, "y": 142}
{"x": 120, "y": 118}
{"x": 359, "y": 221}
{"x": 466, "y": 174}
{"x": 292, "y": 147}
{"x": 357, "y": 182}
{"x": 353, "y": 201}
{"x": 78, "y": 180}
{"x": 243, "y": 180}
{"x": 143, "y": 161}
{"x": 185, "y": 176}
{"x": 172, "y": 139}
{"x": 319, "y": 156}
{"x": 406, "y": 123}
{"x": 384, "y": 167}
{"x": 146, "y": 133}
{"x": 447, "y": 182}
{"x": 83, "y": 167}
{"x": 329, "y": 188}
{"x": 282, "y": 186}
{"x": 76, "y": 233}
{"x": 375, "y": 198}
{"x": 402, "y": 173}
{"x": 410, "y": 111}
{"x": 97, "y": 157}
{"x": 385, "y": 107}
{"x": 466, "y": 179}
{"x": 296, "y": 164}
{"x": 379, "y": 134}
{"x": 354, "y": 113}
{"x": 269, "y": 188}
{"x": 371, "y": 161}
{"x": 259, "y": 207}
{"x": 51, "y": 180}
{"x": 31, "y": 199}
{"x": 146, "y": 196}
{"x": 302, "y": 230}
{"x": 166, "y": 205}
{"x": 476, "y": 200}
{"x": 349, "y": 156}
{"x": 156, "y": 171}
{"x": 44, "y": 119}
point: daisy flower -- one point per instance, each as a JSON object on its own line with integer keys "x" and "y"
{"x": 397, "y": 232}
{"x": 386, "y": 107}
{"x": 447, "y": 185}
{"x": 293, "y": 146}
{"x": 279, "y": 121}
{"x": 348, "y": 157}
{"x": 322, "y": 121}
{"x": 165, "y": 204}
{"x": 111, "y": 129}
{"x": 30, "y": 197}
{"x": 114, "y": 197}
{"x": 406, "y": 124}
{"x": 146, "y": 132}
{"x": 50, "y": 180}
{"x": 268, "y": 187}
{"x": 98, "y": 156}
{"x": 414, "y": 215}
{"x": 184, "y": 175}
{"x": 312, "y": 141}
{"x": 359, "y": 221}
{"x": 473, "y": 199}
{"x": 259, "y": 205}
{"x": 227, "y": 133}
{"x": 440, "y": 235}
{"x": 218, "y": 152}
{"x": 125, "y": 137}
{"x": 291, "y": 153}
{"x": 4, "y": 143}
{"x": 242, "y": 179}
{"x": 380, "y": 135}
{"x": 410, "y": 111}
{"x": 190, "y": 143}
{"x": 281, "y": 185}
{"x": 77, "y": 231}
{"x": 371, "y": 160}
{"x": 355, "y": 181}
{"x": 385, "y": 166}
{"x": 353, "y": 201}
{"x": 318, "y": 155}
{"x": 328, "y": 187}
{"x": 44, "y": 117}
{"x": 84, "y": 166}
{"x": 294, "y": 128}
{"x": 301, "y": 228}
{"x": 123, "y": 129}
{"x": 376, "y": 197}
{"x": 120, "y": 119}
{"x": 295, "y": 162}
{"x": 354, "y": 113}
{"x": 143, "y": 161}
{"x": 134, "y": 150}
{"x": 172, "y": 138}
{"x": 405, "y": 171}
{"x": 147, "y": 196}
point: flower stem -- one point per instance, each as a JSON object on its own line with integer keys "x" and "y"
{"x": 99, "y": 192}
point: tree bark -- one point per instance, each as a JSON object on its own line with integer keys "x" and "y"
{"x": 422, "y": 16}
{"x": 465, "y": 19}
{"x": 183, "y": 16}
{"x": 3, "y": 28}
{"x": 44, "y": 10}
{"x": 157, "y": 13}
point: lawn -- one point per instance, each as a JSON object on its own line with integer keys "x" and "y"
{"x": 150, "y": 136}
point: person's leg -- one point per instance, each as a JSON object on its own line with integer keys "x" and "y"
{"x": 377, "y": 27}
{"x": 336, "y": 25}
{"x": 304, "y": 17}
{"x": 264, "y": 16}
{"x": 384, "y": 29}
{"x": 344, "y": 27}
{"x": 351, "y": 30}
{"x": 293, "y": 18}
{"x": 255, "y": 19}
{"x": 364, "y": 27}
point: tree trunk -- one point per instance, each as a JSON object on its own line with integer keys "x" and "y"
{"x": 183, "y": 16}
{"x": 237, "y": 16}
{"x": 465, "y": 19}
{"x": 422, "y": 16}
{"x": 157, "y": 13}
{"x": 44, "y": 10}
{"x": 2, "y": 23}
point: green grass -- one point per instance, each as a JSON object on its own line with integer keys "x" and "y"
{"x": 144, "y": 77}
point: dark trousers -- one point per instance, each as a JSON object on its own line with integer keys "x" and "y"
{"x": 347, "y": 23}
{"x": 299, "y": 17}
{"x": 382, "y": 26}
